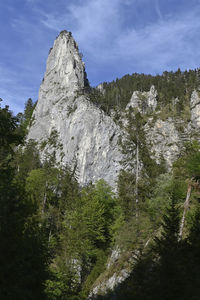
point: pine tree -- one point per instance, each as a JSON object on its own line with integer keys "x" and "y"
{"x": 23, "y": 252}
{"x": 170, "y": 256}
{"x": 28, "y": 110}
{"x": 25, "y": 118}
{"x": 193, "y": 258}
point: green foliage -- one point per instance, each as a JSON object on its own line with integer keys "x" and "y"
{"x": 96, "y": 271}
{"x": 43, "y": 144}
{"x": 62, "y": 285}
{"x": 91, "y": 220}
{"x": 160, "y": 198}
{"x": 64, "y": 233}
{"x": 168, "y": 267}
{"x": 188, "y": 166}
{"x": 23, "y": 247}
{"x": 26, "y": 159}
{"x": 134, "y": 233}
{"x": 23, "y": 244}
{"x": 126, "y": 188}
{"x": 28, "y": 110}
{"x": 9, "y": 135}
{"x": 158, "y": 271}
{"x": 85, "y": 235}
{"x": 186, "y": 172}
{"x": 35, "y": 184}
{"x": 135, "y": 185}
{"x": 52, "y": 140}
{"x": 25, "y": 119}
{"x": 170, "y": 233}
{"x": 192, "y": 165}
{"x": 170, "y": 86}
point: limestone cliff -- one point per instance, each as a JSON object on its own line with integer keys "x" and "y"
{"x": 88, "y": 138}
{"x": 195, "y": 109}
{"x": 80, "y": 134}
{"x": 144, "y": 101}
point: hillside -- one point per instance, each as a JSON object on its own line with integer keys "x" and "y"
{"x": 100, "y": 186}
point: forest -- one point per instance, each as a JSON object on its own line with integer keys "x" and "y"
{"x": 57, "y": 236}
{"x": 169, "y": 85}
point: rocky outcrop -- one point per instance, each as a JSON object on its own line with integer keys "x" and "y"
{"x": 65, "y": 122}
{"x": 163, "y": 139}
{"x": 195, "y": 109}
{"x": 65, "y": 74}
{"x": 144, "y": 101}
{"x": 117, "y": 270}
{"x": 81, "y": 135}
{"x": 85, "y": 136}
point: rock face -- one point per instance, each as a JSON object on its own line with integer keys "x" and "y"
{"x": 144, "y": 101}
{"x": 112, "y": 276}
{"x": 81, "y": 134}
{"x": 195, "y": 109}
{"x": 86, "y": 136}
{"x": 164, "y": 140}
{"x": 65, "y": 74}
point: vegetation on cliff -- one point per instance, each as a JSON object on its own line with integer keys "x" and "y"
{"x": 56, "y": 237}
{"x": 171, "y": 87}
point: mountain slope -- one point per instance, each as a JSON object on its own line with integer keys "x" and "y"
{"x": 68, "y": 122}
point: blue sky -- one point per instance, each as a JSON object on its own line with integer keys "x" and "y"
{"x": 116, "y": 37}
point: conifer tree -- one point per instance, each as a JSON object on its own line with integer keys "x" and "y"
{"x": 23, "y": 252}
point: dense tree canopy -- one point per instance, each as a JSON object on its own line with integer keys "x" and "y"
{"x": 56, "y": 237}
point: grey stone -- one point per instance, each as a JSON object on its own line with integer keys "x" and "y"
{"x": 144, "y": 101}
{"x": 164, "y": 140}
{"x": 89, "y": 137}
{"x": 195, "y": 108}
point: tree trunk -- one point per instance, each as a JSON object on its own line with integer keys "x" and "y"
{"x": 137, "y": 177}
{"x": 186, "y": 205}
{"x": 44, "y": 199}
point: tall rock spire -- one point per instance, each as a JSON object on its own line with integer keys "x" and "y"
{"x": 83, "y": 136}
{"x": 66, "y": 123}
{"x": 65, "y": 72}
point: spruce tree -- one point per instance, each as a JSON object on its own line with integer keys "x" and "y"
{"x": 23, "y": 252}
{"x": 169, "y": 255}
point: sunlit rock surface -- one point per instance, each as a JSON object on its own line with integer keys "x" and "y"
{"x": 195, "y": 108}
{"x": 144, "y": 101}
{"x": 88, "y": 138}
{"x": 81, "y": 135}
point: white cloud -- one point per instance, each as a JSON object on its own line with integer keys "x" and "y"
{"x": 90, "y": 21}
{"x": 162, "y": 43}
{"x": 51, "y": 22}
{"x": 158, "y": 10}
{"x": 98, "y": 27}
{"x": 112, "y": 44}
